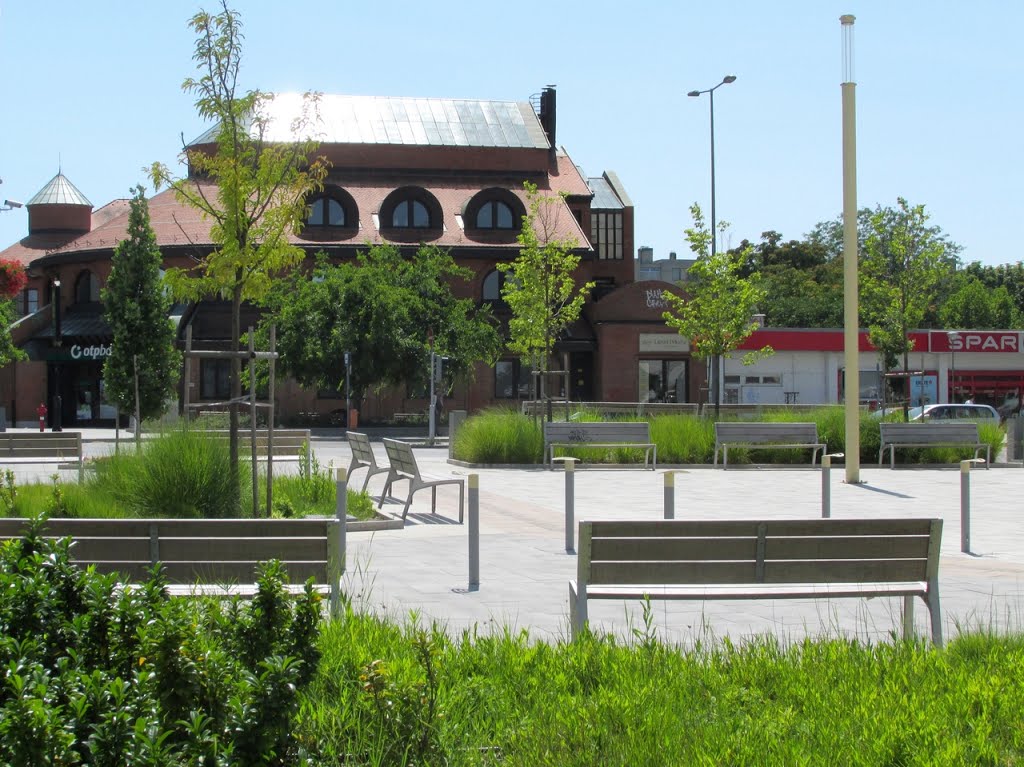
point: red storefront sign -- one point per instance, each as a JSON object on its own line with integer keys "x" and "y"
{"x": 976, "y": 341}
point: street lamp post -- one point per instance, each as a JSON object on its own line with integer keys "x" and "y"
{"x": 953, "y": 337}
{"x": 714, "y": 234}
{"x": 58, "y": 340}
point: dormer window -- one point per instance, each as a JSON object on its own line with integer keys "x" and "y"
{"x": 332, "y": 215}
{"x": 410, "y": 214}
{"x": 326, "y": 211}
{"x": 495, "y": 214}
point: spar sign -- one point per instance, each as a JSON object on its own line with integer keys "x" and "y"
{"x": 977, "y": 341}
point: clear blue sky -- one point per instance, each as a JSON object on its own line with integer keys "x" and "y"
{"x": 95, "y": 88}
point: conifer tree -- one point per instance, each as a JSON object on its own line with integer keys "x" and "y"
{"x": 136, "y": 305}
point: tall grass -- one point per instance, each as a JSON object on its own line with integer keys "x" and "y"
{"x": 499, "y": 435}
{"x": 182, "y": 473}
{"x": 385, "y": 694}
{"x": 506, "y": 436}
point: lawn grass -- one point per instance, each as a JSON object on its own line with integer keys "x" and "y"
{"x": 386, "y": 694}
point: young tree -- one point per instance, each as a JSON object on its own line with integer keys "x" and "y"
{"x": 718, "y": 314}
{"x": 136, "y": 306}
{"x": 381, "y": 309}
{"x": 903, "y": 266}
{"x": 257, "y": 195}
{"x": 540, "y": 288}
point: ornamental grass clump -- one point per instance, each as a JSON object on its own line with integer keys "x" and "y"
{"x": 499, "y": 435}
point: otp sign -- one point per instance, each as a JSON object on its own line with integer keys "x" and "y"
{"x": 981, "y": 341}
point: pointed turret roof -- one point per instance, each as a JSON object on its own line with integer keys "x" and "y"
{"x": 59, "y": 191}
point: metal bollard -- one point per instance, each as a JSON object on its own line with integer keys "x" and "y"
{"x": 570, "y": 503}
{"x": 474, "y": 532}
{"x": 670, "y": 492}
{"x": 826, "y": 483}
{"x": 965, "y": 503}
{"x": 340, "y": 541}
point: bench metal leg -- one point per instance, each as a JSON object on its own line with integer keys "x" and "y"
{"x": 577, "y": 609}
{"x": 908, "y": 617}
{"x": 935, "y": 613}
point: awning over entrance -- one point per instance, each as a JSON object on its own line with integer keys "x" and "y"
{"x": 85, "y": 337}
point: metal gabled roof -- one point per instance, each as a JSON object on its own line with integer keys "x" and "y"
{"x": 336, "y": 119}
{"x": 59, "y": 191}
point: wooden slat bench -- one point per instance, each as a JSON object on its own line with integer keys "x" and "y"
{"x": 209, "y": 556}
{"x": 363, "y": 457}
{"x": 894, "y": 435}
{"x": 403, "y": 467}
{"x": 750, "y": 434}
{"x": 753, "y": 559}
{"x": 289, "y": 445}
{"x": 630, "y": 434}
{"x": 43, "y": 447}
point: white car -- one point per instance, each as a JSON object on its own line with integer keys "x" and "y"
{"x": 956, "y": 411}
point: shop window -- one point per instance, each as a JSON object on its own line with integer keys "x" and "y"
{"x": 87, "y": 288}
{"x": 215, "y": 379}
{"x": 511, "y": 380}
{"x": 661, "y": 381}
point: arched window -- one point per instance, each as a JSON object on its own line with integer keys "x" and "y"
{"x": 410, "y": 214}
{"x": 326, "y": 211}
{"x": 495, "y": 214}
{"x": 492, "y": 286}
{"x": 87, "y": 288}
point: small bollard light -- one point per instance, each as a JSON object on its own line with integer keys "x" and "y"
{"x": 474, "y": 532}
{"x": 826, "y": 483}
{"x": 670, "y": 492}
{"x": 965, "y": 503}
{"x": 570, "y": 502}
{"x": 340, "y": 542}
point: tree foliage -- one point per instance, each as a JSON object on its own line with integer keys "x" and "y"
{"x": 974, "y": 305}
{"x": 136, "y": 306}
{"x": 718, "y": 314}
{"x": 540, "y": 286}
{"x": 904, "y": 265}
{"x": 382, "y": 309}
{"x": 259, "y": 187}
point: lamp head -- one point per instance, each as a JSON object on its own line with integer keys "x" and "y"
{"x": 56, "y": 283}
{"x": 693, "y": 93}
{"x": 729, "y": 79}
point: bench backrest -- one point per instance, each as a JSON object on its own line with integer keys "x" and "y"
{"x": 44, "y": 444}
{"x": 195, "y": 550}
{"x": 756, "y": 433}
{"x": 676, "y": 552}
{"x": 597, "y": 431}
{"x": 286, "y": 441}
{"x": 361, "y": 450}
{"x": 926, "y": 433}
{"x": 401, "y": 458}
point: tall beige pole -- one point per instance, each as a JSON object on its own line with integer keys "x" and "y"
{"x": 851, "y": 325}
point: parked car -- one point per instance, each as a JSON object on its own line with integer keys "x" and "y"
{"x": 956, "y": 411}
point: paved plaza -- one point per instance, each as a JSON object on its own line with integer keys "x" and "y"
{"x": 524, "y": 568}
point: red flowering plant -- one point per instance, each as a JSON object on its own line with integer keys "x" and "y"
{"x": 12, "y": 278}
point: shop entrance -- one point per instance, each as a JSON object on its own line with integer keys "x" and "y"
{"x": 662, "y": 381}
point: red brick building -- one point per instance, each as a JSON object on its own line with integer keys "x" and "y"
{"x": 403, "y": 171}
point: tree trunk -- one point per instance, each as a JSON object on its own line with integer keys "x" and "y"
{"x": 236, "y": 379}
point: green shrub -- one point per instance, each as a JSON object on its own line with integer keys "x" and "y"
{"x": 100, "y": 675}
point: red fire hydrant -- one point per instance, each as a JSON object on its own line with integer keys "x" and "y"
{"x": 42, "y": 416}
